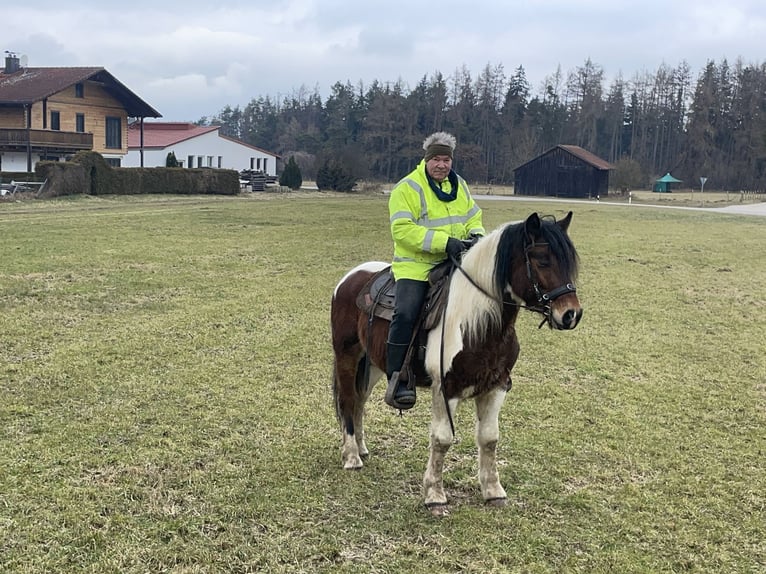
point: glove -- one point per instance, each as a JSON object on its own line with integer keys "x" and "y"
{"x": 455, "y": 248}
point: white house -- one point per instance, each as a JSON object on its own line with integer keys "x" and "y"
{"x": 194, "y": 146}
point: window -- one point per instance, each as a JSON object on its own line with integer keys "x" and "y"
{"x": 220, "y": 161}
{"x": 210, "y": 161}
{"x": 55, "y": 121}
{"x": 264, "y": 164}
{"x": 79, "y": 91}
{"x": 258, "y": 164}
{"x": 80, "y": 123}
{"x": 113, "y": 133}
{"x": 199, "y": 161}
{"x": 113, "y": 161}
{"x": 190, "y": 161}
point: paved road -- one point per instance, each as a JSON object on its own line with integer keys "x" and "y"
{"x": 743, "y": 209}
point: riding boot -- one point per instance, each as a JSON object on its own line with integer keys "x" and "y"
{"x": 398, "y": 395}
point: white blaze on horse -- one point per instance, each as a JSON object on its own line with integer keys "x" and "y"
{"x": 471, "y": 350}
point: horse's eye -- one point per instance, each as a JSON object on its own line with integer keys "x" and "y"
{"x": 543, "y": 261}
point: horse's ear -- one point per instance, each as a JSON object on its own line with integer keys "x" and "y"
{"x": 564, "y": 223}
{"x": 532, "y": 225}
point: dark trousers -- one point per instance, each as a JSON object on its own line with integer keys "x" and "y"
{"x": 410, "y": 296}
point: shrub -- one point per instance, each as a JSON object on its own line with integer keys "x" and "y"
{"x": 291, "y": 176}
{"x": 171, "y": 160}
{"x": 333, "y": 176}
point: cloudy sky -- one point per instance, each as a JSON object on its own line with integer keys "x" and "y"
{"x": 190, "y": 59}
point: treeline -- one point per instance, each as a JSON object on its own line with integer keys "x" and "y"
{"x": 713, "y": 125}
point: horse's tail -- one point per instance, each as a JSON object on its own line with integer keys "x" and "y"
{"x": 347, "y": 400}
{"x": 335, "y": 394}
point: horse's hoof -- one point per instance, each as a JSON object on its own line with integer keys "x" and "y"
{"x": 438, "y": 509}
{"x": 496, "y": 502}
{"x": 353, "y": 464}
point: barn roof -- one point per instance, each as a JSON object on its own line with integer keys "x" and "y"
{"x": 587, "y": 157}
{"x": 30, "y": 85}
{"x": 578, "y": 152}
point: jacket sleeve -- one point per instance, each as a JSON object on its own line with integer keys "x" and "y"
{"x": 404, "y": 211}
{"x": 474, "y": 225}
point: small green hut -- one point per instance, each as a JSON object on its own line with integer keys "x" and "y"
{"x": 662, "y": 185}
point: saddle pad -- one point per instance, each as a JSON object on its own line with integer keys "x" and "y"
{"x": 377, "y": 296}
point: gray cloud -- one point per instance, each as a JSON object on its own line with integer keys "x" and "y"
{"x": 190, "y": 59}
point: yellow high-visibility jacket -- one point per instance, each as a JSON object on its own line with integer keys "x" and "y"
{"x": 421, "y": 223}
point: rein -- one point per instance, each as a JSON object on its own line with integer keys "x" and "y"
{"x": 543, "y": 307}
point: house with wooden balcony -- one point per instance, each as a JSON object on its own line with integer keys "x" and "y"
{"x": 52, "y": 113}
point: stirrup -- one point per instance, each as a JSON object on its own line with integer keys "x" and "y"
{"x": 402, "y": 402}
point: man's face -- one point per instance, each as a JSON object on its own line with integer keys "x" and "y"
{"x": 438, "y": 167}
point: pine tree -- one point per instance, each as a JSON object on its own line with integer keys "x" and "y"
{"x": 170, "y": 160}
{"x": 291, "y": 176}
{"x": 333, "y": 176}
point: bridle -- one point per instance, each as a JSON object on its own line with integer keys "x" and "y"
{"x": 544, "y": 298}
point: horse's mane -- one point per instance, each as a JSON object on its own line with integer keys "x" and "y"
{"x": 490, "y": 264}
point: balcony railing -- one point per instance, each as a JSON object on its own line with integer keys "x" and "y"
{"x": 48, "y": 140}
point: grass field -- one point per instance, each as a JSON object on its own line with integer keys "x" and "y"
{"x": 166, "y": 405}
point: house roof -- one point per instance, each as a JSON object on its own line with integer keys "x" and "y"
{"x": 164, "y": 134}
{"x": 578, "y": 152}
{"x": 161, "y": 135}
{"x": 30, "y": 85}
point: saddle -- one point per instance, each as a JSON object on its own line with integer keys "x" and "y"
{"x": 377, "y": 297}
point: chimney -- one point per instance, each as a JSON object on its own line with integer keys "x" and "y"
{"x": 11, "y": 63}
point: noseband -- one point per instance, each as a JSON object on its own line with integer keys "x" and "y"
{"x": 544, "y": 299}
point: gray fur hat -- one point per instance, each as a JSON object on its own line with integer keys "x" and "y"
{"x": 439, "y": 143}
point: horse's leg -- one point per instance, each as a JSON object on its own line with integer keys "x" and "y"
{"x": 364, "y": 389}
{"x": 487, "y": 434}
{"x": 348, "y": 410}
{"x": 441, "y": 440}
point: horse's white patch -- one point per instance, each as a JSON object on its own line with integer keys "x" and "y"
{"x": 371, "y": 266}
{"x": 469, "y": 310}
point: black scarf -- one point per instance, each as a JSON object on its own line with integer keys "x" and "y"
{"x": 436, "y": 188}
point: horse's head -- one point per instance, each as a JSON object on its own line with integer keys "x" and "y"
{"x": 544, "y": 277}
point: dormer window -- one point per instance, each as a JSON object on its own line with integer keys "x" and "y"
{"x": 79, "y": 91}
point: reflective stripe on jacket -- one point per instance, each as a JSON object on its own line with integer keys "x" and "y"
{"x": 421, "y": 223}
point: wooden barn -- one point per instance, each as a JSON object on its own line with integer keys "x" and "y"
{"x": 563, "y": 171}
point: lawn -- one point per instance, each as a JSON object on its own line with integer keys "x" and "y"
{"x": 166, "y": 405}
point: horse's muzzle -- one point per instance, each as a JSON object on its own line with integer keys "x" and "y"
{"x": 568, "y": 319}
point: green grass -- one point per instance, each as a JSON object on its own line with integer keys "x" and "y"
{"x": 166, "y": 405}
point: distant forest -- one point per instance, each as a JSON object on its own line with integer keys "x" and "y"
{"x": 711, "y": 125}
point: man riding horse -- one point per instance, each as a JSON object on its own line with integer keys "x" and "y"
{"x": 433, "y": 217}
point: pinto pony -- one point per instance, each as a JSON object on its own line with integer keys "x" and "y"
{"x": 470, "y": 352}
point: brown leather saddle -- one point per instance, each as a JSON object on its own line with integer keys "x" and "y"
{"x": 377, "y": 297}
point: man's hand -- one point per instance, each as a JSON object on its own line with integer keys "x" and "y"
{"x": 455, "y": 248}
